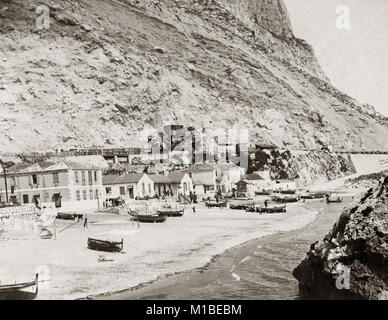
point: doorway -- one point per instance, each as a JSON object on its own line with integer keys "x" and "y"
{"x": 130, "y": 192}
{"x": 57, "y": 199}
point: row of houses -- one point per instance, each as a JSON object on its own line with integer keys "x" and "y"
{"x": 71, "y": 185}
{"x": 75, "y": 185}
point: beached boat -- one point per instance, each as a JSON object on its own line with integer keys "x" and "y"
{"x": 332, "y": 199}
{"x": 320, "y": 195}
{"x": 306, "y": 196}
{"x": 272, "y": 209}
{"x": 262, "y": 193}
{"x": 287, "y": 191}
{"x": 284, "y": 199}
{"x": 20, "y": 291}
{"x": 105, "y": 245}
{"x": 66, "y": 216}
{"x": 268, "y": 209}
{"x": 149, "y": 218}
{"x": 215, "y": 204}
{"x": 170, "y": 212}
{"x": 241, "y": 204}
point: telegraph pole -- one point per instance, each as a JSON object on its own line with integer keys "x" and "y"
{"x": 5, "y": 179}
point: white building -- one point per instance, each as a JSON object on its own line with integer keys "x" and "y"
{"x": 128, "y": 186}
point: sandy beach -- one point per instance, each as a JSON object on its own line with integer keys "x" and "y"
{"x": 149, "y": 252}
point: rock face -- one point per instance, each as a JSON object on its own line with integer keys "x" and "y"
{"x": 106, "y": 70}
{"x": 308, "y": 167}
{"x": 352, "y": 260}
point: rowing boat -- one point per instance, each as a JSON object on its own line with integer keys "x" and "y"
{"x": 169, "y": 212}
{"x": 151, "y": 218}
{"x": 20, "y": 291}
{"x": 215, "y": 204}
{"x": 105, "y": 245}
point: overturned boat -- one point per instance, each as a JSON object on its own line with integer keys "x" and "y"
{"x": 105, "y": 245}
{"x": 20, "y": 291}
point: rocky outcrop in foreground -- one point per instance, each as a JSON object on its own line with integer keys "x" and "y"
{"x": 351, "y": 262}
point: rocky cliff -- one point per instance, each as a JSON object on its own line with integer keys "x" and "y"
{"x": 105, "y": 70}
{"x": 308, "y": 167}
{"x": 352, "y": 260}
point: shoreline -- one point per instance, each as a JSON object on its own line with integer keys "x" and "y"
{"x": 175, "y": 285}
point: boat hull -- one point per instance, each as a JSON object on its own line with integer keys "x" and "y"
{"x": 210, "y": 204}
{"x": 106, "y": 246}
{"x": 171, "y": 213}
{"x": 150, "y": 219}
{"x": 21, "y": 291}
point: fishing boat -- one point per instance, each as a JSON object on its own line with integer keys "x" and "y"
{"x": 149, "y": 218}
{"x": 170, "y": 212}
{"x": 105, "y": 245}
{"x": 263, "y": 193}
{"x": 332, "y": 199}
{"x": 306, "y": 196}
{"x": 284, "y": 199}
{"x": 241, "y": 203}
{"x": 215, "y": 204}
{"x": 20, "y": 291}
{"x": 272, "y": 209}
{"x": 66, "y": 216}
{"x": 320, "y": 195}
{"x": 287, "y": 191}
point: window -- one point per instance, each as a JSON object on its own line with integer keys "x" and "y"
{"x": 95, "y": 176}
{"x": 90, "y": 175}
{"x": 108, "y": 190}
{"x": 12, "y": 189}
{"x": 25, "y": 198}
{"x": 149, "y": 188}
{"x": 34, "y": 179}
{"x": 55, "y": 177}
{"x": 76, "y": 176}
{"x": 91, "y": 194}
{"x": 96, "y": 194}
{"x": 143, "y": 188}
{"x": 85, "y": 195}
{"x": 122, "y": 191}
{"x": 78, "y": 195}
{"x": 83, "y": 178}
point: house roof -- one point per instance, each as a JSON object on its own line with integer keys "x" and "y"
{"x": 200, "y": 167}
{"x": 176, "y": 176}
{"x": 47, "y": 166}
{"x": 127, "y": 178}
{"x": 80, "y": 166}
{"x": 158, "y": 178}
{"x": 253, "y": 176}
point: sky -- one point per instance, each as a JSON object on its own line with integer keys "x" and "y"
{"x": 355, "y": 59}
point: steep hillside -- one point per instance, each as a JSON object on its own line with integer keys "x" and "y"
{"x": 106, "y": 70}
